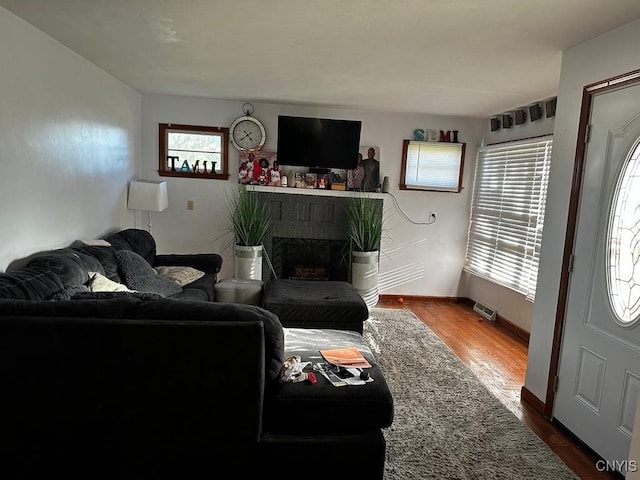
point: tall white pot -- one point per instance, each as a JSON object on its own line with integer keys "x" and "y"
{"x": 364, "y": 276}
{"x": 248, "y": 262}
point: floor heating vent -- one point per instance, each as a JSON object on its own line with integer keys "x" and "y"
{"x": 487, "y": 312}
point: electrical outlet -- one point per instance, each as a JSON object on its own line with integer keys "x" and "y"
{"x": 189, "y": 204}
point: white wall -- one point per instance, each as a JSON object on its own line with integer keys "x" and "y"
{"x": 415, "y": 259}
{"x": 609, "y": 55}
{"x": 70, "y": 140}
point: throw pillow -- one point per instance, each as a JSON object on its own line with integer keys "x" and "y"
{"x": 99, "y": 283}
{"x": 181, "y": 275}
{"x": 90, "y": 243}
{"x": 138, "y": 275}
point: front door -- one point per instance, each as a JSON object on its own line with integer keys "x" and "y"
{"x": 599, "y": 364}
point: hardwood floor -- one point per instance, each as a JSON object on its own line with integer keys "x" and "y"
{"x": 499, "y": 359}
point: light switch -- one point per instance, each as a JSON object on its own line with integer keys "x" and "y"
{"x": 189, "y": 204}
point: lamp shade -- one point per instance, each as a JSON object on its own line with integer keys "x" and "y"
{"x": 148, "y": 195}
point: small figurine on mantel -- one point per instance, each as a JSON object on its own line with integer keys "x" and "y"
{"x": 244, "y": 174}
{"x": 371, "y": 171}
{"x": 275, "y": 174}
{"x": 263, "y": 176}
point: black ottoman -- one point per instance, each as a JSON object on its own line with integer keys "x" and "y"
{"x": 340, "y": 429}
{"x": 316, "y": 304}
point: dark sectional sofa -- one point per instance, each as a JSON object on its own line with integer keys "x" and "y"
{"x": 165, "y": 382}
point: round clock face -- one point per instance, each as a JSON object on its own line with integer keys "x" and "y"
{"x": 247, "y": 133}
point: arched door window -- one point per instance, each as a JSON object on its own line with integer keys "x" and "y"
{"x": 623, "y": 243}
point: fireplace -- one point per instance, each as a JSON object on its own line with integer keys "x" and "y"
{"x": 308, "y": 237}
{"x": 310, "y": 259}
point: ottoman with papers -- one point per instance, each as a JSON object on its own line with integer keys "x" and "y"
{"x": 326, "y": 416}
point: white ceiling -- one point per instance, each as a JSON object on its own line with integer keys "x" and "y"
{"x": 452, "y": 57}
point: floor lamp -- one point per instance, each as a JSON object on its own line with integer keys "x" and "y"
{"x": 149, "y": 196}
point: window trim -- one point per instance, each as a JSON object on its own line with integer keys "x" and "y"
{"x": 403, "y": 170}
{"x": 163, "y": 132}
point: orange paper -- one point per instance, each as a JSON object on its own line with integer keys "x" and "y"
{"x": 349, "y": 357}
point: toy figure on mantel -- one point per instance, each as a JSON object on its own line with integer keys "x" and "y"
{"x": 254, "y": 166}
{"x": 244, "y": 173}
{"x": 263, "y": 174}
{"x": 371, "y": 171}
{"x": 275, "y": 174}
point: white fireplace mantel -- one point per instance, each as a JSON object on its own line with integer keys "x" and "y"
{"x": 314, "y": 191}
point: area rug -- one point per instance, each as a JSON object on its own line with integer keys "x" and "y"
{"x": 447, "y": 425}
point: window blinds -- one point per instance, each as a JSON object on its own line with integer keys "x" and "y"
{"x": 507, "y": 213}
{"x": 433, "y": 165}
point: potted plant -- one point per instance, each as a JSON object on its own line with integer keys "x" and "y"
{"x": 364, "y": 230}
{"x": 250, "y": 220}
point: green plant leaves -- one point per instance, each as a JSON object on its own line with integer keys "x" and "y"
{"x": 250, "y": 218}
{"x": 364, "y": 223}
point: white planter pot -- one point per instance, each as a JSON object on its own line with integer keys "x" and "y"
{"x": 364, "y": 276}
{"x": 248, "y": 262}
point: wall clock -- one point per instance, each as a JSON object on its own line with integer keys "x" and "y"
{"x": 247, "y": 132}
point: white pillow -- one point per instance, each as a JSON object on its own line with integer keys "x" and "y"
{"x": 99, "y": 283}
{"x": 91, "y": 243}
{"x": 181, "y": 275}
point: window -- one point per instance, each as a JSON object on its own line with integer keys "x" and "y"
{"x": 623, "y": 261}
{"x": 507, "y": 213}
{"x": 192, "y": 151}
{"x": 432, "y": 166}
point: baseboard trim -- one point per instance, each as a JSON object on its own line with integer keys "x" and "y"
{"x": 386, "y": 298}
{"x": 519, "y": 332}
{"x": 534, "y": 402}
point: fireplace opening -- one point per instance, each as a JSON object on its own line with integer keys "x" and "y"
{"x": 310, "y": 259}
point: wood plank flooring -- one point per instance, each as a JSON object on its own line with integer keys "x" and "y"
{"x": 499, "y": 360}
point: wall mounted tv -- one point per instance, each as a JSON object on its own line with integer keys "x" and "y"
{"x": 318, "y": 143}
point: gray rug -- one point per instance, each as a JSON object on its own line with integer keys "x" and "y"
{"x": 447, "y": 425}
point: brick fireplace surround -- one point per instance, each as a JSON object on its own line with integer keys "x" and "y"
{"x": 308, "y": 237}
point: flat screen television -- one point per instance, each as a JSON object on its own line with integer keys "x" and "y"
{"x": 318, "y": 143}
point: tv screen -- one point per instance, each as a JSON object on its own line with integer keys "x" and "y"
{"x": 318, "y": 143}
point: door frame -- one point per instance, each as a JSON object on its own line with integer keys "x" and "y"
{"x": 588, "y": 93}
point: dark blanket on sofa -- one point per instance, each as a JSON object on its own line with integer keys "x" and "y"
{"x": 63, "y": 273}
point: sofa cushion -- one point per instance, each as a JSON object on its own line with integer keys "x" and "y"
{"x": 178, "y": 274}
{"x": 171, "y": 309}
{"x": 29, "y": 283}
{"x": 192, "y": 294}
{"x": 205, "y": 284}
{"x": 124, "y": 308}
{"x": 138, "y": 275}
{"x": 89, "y": 295}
